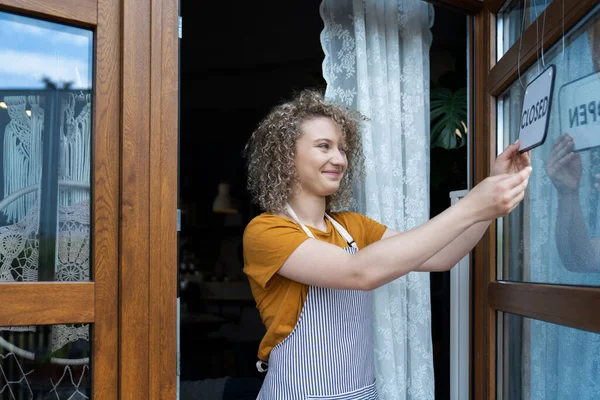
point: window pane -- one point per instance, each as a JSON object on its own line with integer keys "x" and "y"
{"x": 514, "y": 18}
{"x": 43, "y": 362}
{"x": 554, "y": 235}
{"x": 542, "y": 361}
{"x": 45, "y": 145}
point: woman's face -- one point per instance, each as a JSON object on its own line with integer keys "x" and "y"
{"x": 320, "y": 157}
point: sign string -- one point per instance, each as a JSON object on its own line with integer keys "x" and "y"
{"x": 534, "y": 9}
{"x": 563, "y": 29}
{"x": 520, "y": 43}
{"x": 543, "y": 31}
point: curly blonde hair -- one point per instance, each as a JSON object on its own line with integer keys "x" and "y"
{"x": 271, "y": 150}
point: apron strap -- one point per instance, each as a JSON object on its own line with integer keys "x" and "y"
{"x": 295, "y": 218}
{"x": 342, "y": 232}
{"x": 338, "y": 227}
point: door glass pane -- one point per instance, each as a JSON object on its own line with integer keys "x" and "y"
{"x": 45, "y": 362}
{"x": 538, "y": 360}
{"x": 554, "y": 235}
{"x": 45, "y": 150}
{"x": 514, "y": 18}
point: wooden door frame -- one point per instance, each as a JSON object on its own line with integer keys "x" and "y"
{"x": 132, "y": 298}
{"x": 483, "y": 255}
{"x": 97, "y": 301}
{"x": 148, "y": 286}
{"x": 552, "y": 303}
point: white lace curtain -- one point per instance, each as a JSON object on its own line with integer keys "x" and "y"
{"x": 377, "y": 62}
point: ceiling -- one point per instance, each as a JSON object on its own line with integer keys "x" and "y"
{"x": 248, "y": 54}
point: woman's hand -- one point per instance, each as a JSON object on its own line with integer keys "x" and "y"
{"x": 497, "y": 195}
{"x": 510, "y": 161}
{"x": 563, "y": 167}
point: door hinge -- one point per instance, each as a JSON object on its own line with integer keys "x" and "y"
{"x": 178, "y": 220}
{"x": 180, "y": 27}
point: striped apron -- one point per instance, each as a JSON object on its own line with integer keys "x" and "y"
{"x": 329, "y": 353}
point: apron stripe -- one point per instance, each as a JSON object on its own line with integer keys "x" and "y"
{"x": 368, "y": 393}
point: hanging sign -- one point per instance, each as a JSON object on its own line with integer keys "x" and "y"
{"x": 536, "y": 110}
{"x": 579, "y": 104}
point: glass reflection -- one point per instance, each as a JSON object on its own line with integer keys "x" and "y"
{"x": 36, "y": 54}
{"x": 45, "y": 362}
{"x": 578, "y": 250}
{"x": 45, "y": 168}
{"x": 555, "y": 235}
{"x": 514, "y": 18}
{"x": 45, "y": 150}
{"x": 544, "y": 361}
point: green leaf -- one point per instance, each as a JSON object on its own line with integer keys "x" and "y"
{"x": 448, "y": 113}
{"x": 446, "y": 140}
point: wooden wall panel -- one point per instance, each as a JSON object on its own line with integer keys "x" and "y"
{"x": 105, "y": 203}
{"x": 572, "y": 306}
{"x": 156, "y": 201}
{"x": 46, "y": 303}
{"x": 135, "y": 205}
{"x": 483, "y": 264}
{"x": 82, "y": 12}
{"x": 494, "y": 5}
{"x": 163, "y": 199}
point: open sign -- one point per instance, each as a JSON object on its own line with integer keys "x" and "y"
{"x": 579, "y": 105}
{"x": 536, "y": 110}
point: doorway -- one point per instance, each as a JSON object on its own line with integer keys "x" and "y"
{"x": 235, "y": 66}
{"x": 449, "y": 168}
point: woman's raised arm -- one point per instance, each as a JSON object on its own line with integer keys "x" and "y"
{"x": 322, "y": 264}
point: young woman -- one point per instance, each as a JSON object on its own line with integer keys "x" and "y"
{"x": 312, "y": 270}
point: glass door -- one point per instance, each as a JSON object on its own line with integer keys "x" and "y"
{"x": 58, "y": 203}
{"x": 536, "y": 286}
{"x": 547, "y": 278}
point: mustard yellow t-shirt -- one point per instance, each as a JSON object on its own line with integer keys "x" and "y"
{"x": 268, "y": 241}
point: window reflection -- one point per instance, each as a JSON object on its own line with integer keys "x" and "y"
{"x": 514, "y": 18}
{"x": 35, "y": 53}
{"x": 555, "y": 235}
{"x": 45, "y": 362}
{"x": 544, "y": 361}
{"x": 45, "y": 168}
{"x": 45, "y": 150}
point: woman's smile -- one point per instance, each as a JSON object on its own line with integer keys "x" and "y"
{"x": 333, "y": 174}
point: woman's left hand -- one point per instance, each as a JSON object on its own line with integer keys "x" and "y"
{"x": 510, "y": 161}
